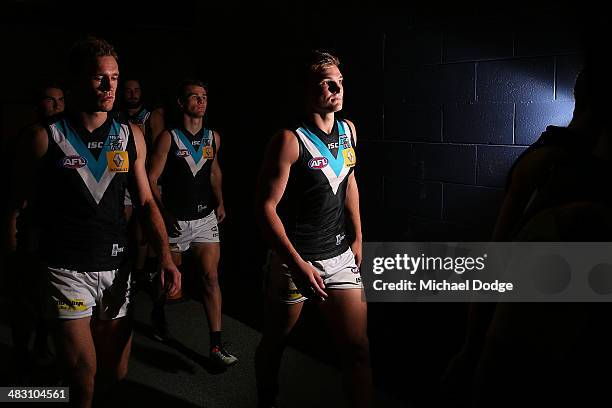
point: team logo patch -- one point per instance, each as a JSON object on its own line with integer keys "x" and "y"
{"x": 183, "y": 153}
{"x": 118, "y": 161}
{"x": 318, "y": 162}
{"x": 114, "y": 142}
{"x": 349, "y": 157}
{"x": 345, "y": 142}
{"x": 208, "y": 152}
{"x": 74, "y": 305}
{"x": 73, "y": 162}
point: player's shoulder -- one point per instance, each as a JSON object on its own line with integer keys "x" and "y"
{"x": 351, "y": 127}
{"x": 285, "y": 135}
{"x": 348, "y": 122}
{"x": 284, "y": 143}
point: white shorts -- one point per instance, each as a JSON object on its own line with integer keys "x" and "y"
{"x": 74, "y": 295}
{"x": 339, "y": 272}
{"x": 202, "y": 230}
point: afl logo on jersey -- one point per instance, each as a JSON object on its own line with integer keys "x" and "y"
{"x": 317, "y": 162}
{"x": 183, "y": 153}
{"x": 73, "y": 162}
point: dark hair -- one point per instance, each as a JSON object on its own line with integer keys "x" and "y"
{"x": 39, "y": 93}
{"x": 180, "y": 91}
{"x": 86, "y": 50}
{"x": 126, "y": 79}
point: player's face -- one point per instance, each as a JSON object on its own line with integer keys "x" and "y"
{"x": 195, "y": 101}
{"x": 329, "y": 90}
{"x": 52, "y": 102}
{"x": 100, "y": 85}
{"x": 132, "y": 94}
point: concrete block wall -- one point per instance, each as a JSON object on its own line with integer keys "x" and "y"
{"x": 462, "y": 100}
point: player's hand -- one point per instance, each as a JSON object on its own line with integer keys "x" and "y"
{"x": 170, "y": 278}
{"x": 308, "y": 280}
{"x": 357, "y": 249}
{"x": 220, "y": 212}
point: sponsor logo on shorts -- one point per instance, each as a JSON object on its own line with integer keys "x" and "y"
{"x": 317, "y": 162}
{"x": 73, "y": 162}
{"x": 358, "y": 279}
{"x": 355, "y": 269}
{"x": 183, "y": 153}
{"x": 75, "y": 305}
{"x": 293, "y": 294}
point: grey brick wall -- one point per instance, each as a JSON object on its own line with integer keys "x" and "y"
{"x": 461, "y": 103}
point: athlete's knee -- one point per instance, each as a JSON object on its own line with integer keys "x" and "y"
{"x": 82, "y": 373}
{"x": 356, "y": 351}
{"x": 112, "y": 375}
{"x": 273, "y": 340}
{"x": 210, "y": 278}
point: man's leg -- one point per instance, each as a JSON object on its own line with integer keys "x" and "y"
{"x": 279, "y": 320}
{"x": 207, "y": 256}
{"x": 207, "y": 264}
{"x": 77, "y": 354}
{"x": 282, "y": 308}
{"x": 158, "y": 313}
{"x": 113, "y": 342}
{"x": 346, "y": 315}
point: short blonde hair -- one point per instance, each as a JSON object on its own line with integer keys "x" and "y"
{"x": 319, "y": 60}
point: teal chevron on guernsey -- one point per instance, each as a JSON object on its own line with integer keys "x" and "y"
{"x": 195, "y": 157}
{"x": 337, "y": 162}
{"x": 335, "y": 170}
{"x": 94, "y": 172}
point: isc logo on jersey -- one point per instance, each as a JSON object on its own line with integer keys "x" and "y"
{"x": 95, "y": 145}
{"x": 317, "y": 162}
{"x": 183, "y": 153}
{"x": 73, "y": 162}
